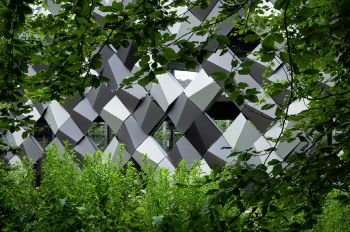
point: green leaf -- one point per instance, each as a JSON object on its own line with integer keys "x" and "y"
{"x": 170, "y": 54}
{"x": 268, "y": 43}
{"x": 6, "y": 13}
{"x": 234, "y": 63}
{"x": 244, "y": 71}
{"x": 251, "y": 38}
{"x": 111, "y": 18}
{"x": 84, "y": 21}
{"x": 274, "y": 162}
{"x": 307, "y": 12}
{"x": 284, "y": 57}
{"x": 247, "y": 63}
{"x": 278, "y": 38}
{"x": 27, "y": 10}
{"x": 222, "y": 39}
{"x": 220, "y": 76}
{"x": 118, "y": 6}
{"x": 191, "y": 64}
{"x": 144, "y": 62}
{"x": 267, "y": 106}
{"x": 267, "y": 57}
{"x": 242, "y": 85}
{"x": 74, "y": 68}
{"x": 311, "y": 71}
{"x": 96, "y": 63}
{"x": 239, "y": 99}
{"x": 277, "y": 169}
{"x": 105, "y": 8}
{"x": 280, "y": 4}
{"x": 70, "y": 221}
{"x": 25, "y": 135}
{"x": 125, "y": 43}
{"x": 278, "y": 112}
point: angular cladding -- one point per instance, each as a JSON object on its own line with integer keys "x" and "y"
{"x": 114, "y": 113}
{"x": 134, "y": 114}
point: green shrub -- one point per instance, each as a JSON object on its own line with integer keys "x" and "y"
{"x": 336, "y": 214}
{"x": 18, "y": 197}
{"x": 102, "y": 196}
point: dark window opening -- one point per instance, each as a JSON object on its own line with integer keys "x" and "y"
{"x": 167, "y": 134}
{"x": 100, "y": 133}
{"x": 42, "y": 132}
{"x": 239, "y": 47}
{"x": 223, "y": 112}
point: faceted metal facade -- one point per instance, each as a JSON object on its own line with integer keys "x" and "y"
{"x": 134, "y": 114}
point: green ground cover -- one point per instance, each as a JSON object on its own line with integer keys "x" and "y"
{"x": 106, "y": 196}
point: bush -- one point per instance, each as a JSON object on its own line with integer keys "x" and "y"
{"x": 102, "y": 196}
{"x": 336, "y": 213}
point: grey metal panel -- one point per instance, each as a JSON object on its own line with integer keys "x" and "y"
{"x": 8, "y": 156}
{"x": 200, "y": 13}
{"x": 41, "y": 107}
{"x": 131, "y": 97}
{"x": 56, "y": 116}
{"x": 70, "y": 131}
{"x": 57, "y": 142}
{"x": 211, "y": 68}
{"x": 256, "y": 71}
{"x": 86, "y": 146}
{"x": 184, "y": 150}
{"x": 131, "y": 134}
{"x": 258, "y": 118}
{"x": 175, "y": 155}
{"x": 217, "y": 63}
{"x": 84, "y": 114}
{"x": 218, "y": 153}
{"x": 241, "y": 134}
{"x": 165, "y": 163}
{"x": 126, "y": 55}
{"x": 106, "y": 53}
{"x": 15, "y": 138}
{"x": 117, "y": 70}
{"x": 183, "y": 113}
{"x": 148, "y": 114}
{"x": 70, "y": 103}
{"x": 85, "y": 109}
{"x": 107, "y": 72}
{"x": 83, "y": 123}
{"x": 202, "y": 133}
{"x": 115, "y": 113}
{"x": 149, "y": 147}
{"x": 100, "y": 97}
{"x": 112, "y": 152}
{"x": 54, "y": 8}
{"x": 15, "y": 159}
{"x": 166, "y": 91}
{"x": 202, "y": 91}
{"x": 32, "y": 149}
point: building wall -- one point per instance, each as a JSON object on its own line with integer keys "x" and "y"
{"x": 133, "y": 115}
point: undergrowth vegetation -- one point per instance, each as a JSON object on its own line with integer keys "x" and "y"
{"x": 101, "y": 196}
{"x": 104, "y": 196}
